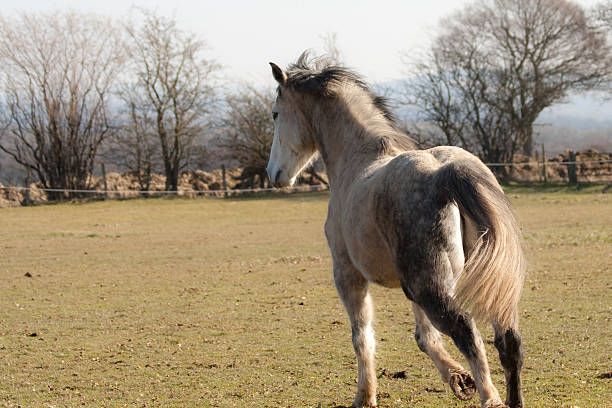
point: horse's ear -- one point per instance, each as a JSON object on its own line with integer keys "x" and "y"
{"x": 278, "y": 74}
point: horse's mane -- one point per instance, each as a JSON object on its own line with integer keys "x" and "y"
{"x": 321, "y": 76}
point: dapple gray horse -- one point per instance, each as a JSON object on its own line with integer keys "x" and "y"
{"x": 434, "y": 222}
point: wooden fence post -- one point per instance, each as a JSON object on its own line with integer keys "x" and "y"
{"x": 537, "y": 162}
{"x": 544, "y": 173}
{"x": 571, "y": 168}
{"x": 105, "y": 195}
{"x": 224, "y": 181}
{"x": 28, "y": 181}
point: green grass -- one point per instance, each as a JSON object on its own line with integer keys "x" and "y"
{"x": 231, "y": 303}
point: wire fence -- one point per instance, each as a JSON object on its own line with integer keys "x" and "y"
{"x": 596, "y": 171}
{"x": 181, "y": 192}
{"x": 564, "y": 163}
{"x": 557, "y": 170}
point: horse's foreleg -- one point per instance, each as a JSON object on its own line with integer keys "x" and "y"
{"x": 430, "y": 341}
{"x": 353, "y": 290}
{"x": 508, "y": 343}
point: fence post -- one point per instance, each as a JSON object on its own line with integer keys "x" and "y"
{"x": 544, "y": 173}
{"x": 28, "y": 181}
{"x": 571, "y": 168}
{"x": 537, "y": 163}
{"x": 105, "y": 194}
{"x": 224, "y": 180}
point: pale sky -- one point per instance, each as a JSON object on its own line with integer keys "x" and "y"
{"x": 245, "y": 35}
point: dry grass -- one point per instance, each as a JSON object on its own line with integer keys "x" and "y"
{"x": 230, "y": 303}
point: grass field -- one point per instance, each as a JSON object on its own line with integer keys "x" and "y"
{"x": 231, "y": 303}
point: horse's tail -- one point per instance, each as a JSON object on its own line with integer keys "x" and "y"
{"x": 492, "y": 278}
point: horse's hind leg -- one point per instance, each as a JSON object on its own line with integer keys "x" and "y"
{"x": 430, "y": 342}
{"x": 353, "y": 290}
{"x": 450, "y": 320}
{"x": 508, "y": 343}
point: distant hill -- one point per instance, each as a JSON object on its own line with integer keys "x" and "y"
{"x": 557, "y": 139}
{"x": 583, "y": 112}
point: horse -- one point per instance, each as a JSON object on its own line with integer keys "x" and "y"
{"x": 434, "y": 223}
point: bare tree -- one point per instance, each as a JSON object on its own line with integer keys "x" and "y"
{"x": 601, "y": 17}
{"x": 495, "y": 65}
{"x": 58, "y": 69}
{"x": 136, "y": 146}
{"x": 601, "y": 20}
{"x": 174, "y": 87}
{"x": 246, "y": 132}
{"x": 330, "y": 47}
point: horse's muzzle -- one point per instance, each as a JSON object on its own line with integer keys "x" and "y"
{"x": 274, "y": 176}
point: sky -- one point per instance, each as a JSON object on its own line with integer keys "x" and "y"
{"x": 243, "y": 36}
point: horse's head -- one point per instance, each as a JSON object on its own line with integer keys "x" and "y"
{"x": 293, "y": 144}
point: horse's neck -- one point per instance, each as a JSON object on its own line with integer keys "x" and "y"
{"x": 347, "y": 138}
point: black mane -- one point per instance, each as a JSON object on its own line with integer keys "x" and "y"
{"x": 319, "y": 75}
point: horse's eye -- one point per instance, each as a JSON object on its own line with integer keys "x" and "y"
{"x": 274, "y": 115}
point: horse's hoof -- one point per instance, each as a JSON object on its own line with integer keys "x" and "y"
{"x": 364, "y": 405}
{"x": 496, "y": 405}
{"x": 515, "y": 404}
{"x": 463, "y": 385}
{"x": 362, "y": 402}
